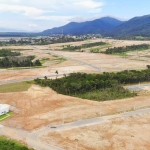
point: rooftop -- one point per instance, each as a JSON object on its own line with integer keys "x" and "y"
{"x": 3, "y": 106}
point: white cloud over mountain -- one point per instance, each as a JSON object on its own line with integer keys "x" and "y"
{"x": 50, "y": 11}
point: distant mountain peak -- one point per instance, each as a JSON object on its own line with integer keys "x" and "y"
{"x": 137, "y": 26}
{"x": 100, "y": 26}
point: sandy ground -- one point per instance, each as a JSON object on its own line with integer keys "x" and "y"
{"x": 38, "y": 106}
{"x": 81, "y": 62}
{"x": 128, "y": 133}
{"x": 42, "y": 106}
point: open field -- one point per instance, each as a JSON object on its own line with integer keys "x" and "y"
{"x": 115, "y": 134}
{"x": 35, "y": 107}
{"x": 15, "y": 87}
{"x": 76, "y": 61}
{"x": 41, "y": 106}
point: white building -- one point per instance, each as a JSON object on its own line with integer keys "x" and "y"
{"x": 4, "y": 109}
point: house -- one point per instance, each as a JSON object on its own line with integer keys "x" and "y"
{"x": 4, "y": 109}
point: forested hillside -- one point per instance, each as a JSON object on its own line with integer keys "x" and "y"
{"x": 137, "y": 26}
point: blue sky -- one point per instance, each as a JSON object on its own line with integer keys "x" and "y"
{"x": 38, "y": 15}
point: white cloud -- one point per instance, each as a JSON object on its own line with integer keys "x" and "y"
{"x": 45, "y": 13}
{"x": 32, "y": 25}
{"x": 27, "y": 11}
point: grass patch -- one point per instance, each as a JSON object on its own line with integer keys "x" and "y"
{"x": 16, "y": 87}
{"x": 9, "y": 144}
{"x": 58, "y": 59}
{"x": 44, "y": 60}
{"x": 99, "y": 49}
{"x": 3, "y": 117}
{"x": 107, "y": 94}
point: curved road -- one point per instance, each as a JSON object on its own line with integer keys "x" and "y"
{"x": 32, "y": 138}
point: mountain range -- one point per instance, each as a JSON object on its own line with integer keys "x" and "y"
{"x": 98, "y": 26}
{"x": 107, "y": 26}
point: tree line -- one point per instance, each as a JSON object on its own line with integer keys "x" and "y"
{"x": 127, "y": 48}
{"x": 88, "y": 45}
{"x": 8, "y": 62}
{"x": 8, "y": 52}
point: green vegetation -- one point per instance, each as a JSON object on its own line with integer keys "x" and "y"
{"x": 120, "y": 50}
{"x": 12, "y": 61}
{"x": 58, "y": 59}
{"x": 78, "y": 84}
{"x": 3, "y": 117}
{"x": 115, "y": 92}
{"x": 99, "y": 49}
{"x": 8, "y": 52}
{"x": 44, "y": 60}
{"x": 73, "y": 48}
{"x": 9, "y": 144}
{"x": 15, "y": 87}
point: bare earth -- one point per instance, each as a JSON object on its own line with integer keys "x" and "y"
{"x": 42, "y": 106}
{"x": 39, "y": 107}
{"x": 128, "y": 133}
{"x": 81, "y": 61}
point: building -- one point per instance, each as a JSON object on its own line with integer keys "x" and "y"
{"x": 4, "y": 109}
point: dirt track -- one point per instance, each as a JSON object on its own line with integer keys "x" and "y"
{"x": 128, "y": 133}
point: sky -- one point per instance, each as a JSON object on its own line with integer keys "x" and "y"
{"x": 38, "y": 15}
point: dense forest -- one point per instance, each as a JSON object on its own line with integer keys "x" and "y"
{"x": 7, "y": 52}
{"x": 6, "y": 144}
{"x": 127, "y": 48}
{"x": 88, "y": 45}
{"x": 81, "y": 83}
{"x": 8, "y": 62}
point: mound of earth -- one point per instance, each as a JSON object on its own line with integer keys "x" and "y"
{"x": 41, "y": 106}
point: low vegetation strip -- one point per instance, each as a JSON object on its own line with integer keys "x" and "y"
{"x": 15, "y": 87}
{"x": 3, "y": 117}
{"x": 13, "y": 61}
{"x": 88, "y": 45}
{"x": 8, "y": 52}
{"x": 9, "y": 144}
{"x": 118, "y": 50}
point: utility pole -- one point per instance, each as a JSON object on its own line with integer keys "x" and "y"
{"x": 100, "y": 112}
{"x": 63, "y": 118}
{"x": 134, "y": 107}
{"x": 62, "y": 32}
{"x": 76, "y": 144}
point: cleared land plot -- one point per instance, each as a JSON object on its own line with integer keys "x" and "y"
{"x": 115, "y": 134}
{"x": 103, "y": 62}
{"x": 41, "y": 106}
{"x": 77, "y": 61}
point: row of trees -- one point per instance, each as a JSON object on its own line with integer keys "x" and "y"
{"x": 88, "y": 45}
{"x": 127, "y": 48}
{"x": 8, "y": 62}
{"x": 79, "y": 83}
{"x": 8, "y": 52}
